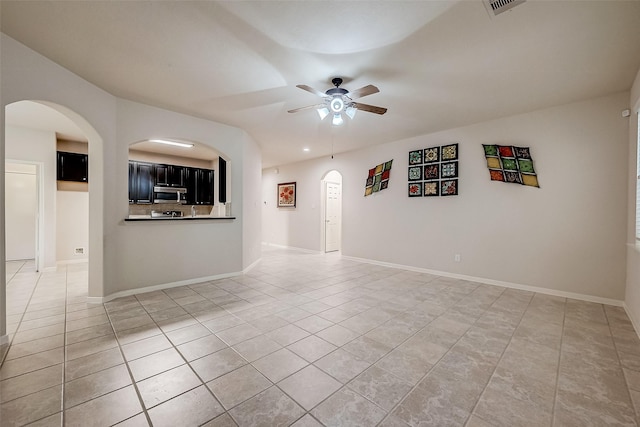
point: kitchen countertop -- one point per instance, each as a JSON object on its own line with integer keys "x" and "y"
{"x": 176, "y": 218}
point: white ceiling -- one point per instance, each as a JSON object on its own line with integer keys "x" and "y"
{"x": 438, "y": 65}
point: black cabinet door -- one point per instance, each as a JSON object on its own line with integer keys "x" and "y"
{"x": 133, "y": 196}
{"x": 72, "y": 167}
{"x": 141, "y": 177}
{"x": 190, "y": 177}
{"x": 144, "y": 182}
{"x": 204, "y": 187}
{"x": 175, "y": 176}
{"x": 161, "y": 174}
{"x": 222, "y": 180}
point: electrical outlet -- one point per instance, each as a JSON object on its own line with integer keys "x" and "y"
{"x": 456, "y": 257}
{"x": 79, "y": 251}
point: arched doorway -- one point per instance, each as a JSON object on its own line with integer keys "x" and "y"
{"x": 332, "y": 212}
{"x": 95, "y": 194}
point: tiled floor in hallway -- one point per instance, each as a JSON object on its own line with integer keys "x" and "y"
{"x": 310, "y": 340}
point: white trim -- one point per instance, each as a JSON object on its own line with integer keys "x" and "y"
{"x": 634, "y": 321}
{"x": 547, "y": 291}
{"x": 253, "y": 264}
{"x": 4, "y": 339}
{"x": 309, "y": 251}
{"x": 129, "y": 292}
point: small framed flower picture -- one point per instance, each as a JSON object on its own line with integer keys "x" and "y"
{"x": 287, "y": 195}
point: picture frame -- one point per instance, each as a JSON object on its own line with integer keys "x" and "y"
{"x": 287, "y": 195}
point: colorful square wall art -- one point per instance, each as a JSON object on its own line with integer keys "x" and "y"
{"x": 378, "y": 177}
{"x": 509, "y": 163}
{"x": 449, "y": 187}
{"x": 434, "y": 171}
{"x": 431, "y": 188}
{"x": 287, "y": 195}
{"x": 415, "y": 189}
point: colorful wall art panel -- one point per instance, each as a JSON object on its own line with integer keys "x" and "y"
{"x": 378, "y": 178}
{"x": 433, "y": 171}
{"x": 508, "y": 163}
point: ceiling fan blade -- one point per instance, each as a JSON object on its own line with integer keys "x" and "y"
{"x": 370, "y": 108}
{"x": 312, "y": 90}
{"x": 363, "y": 91}
{"x": 309, "y": 107}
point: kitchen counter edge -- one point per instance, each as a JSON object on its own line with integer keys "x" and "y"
{"x": 180, "y": 218}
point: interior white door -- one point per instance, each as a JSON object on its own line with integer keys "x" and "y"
{"x": 21, "y": 204}
{"x": 333, "y": 216}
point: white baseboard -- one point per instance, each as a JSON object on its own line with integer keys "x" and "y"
{"x": 293, "y": 248}
{"x": 253, "y": 264}
{"x": 4, "y": 339}
{"x": 546, "y": 291}
{"x": 635, "y": 321}
{"x": 129, "y": 292}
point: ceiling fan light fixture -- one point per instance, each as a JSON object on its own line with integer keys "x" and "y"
{"x": 337, "y": 119}
{"x": 351, "y": 112}
{"x": 337, "y": 105}
{"x": 323, "y": 112}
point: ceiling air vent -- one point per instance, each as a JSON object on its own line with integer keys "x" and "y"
{"x": 496, "y": 7}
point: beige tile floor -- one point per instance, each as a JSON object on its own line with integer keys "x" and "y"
{"x": 310, "y": 340}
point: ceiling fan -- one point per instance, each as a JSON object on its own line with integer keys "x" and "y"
{"x": 338, "y": 100}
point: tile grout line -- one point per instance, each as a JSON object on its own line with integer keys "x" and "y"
{"x": 64, "y": 353}
{"x": 415, "y": 386}
{"x": 126, "y": 363}
{"x": 484, "y": 389}
{"x": 557, "y": 382}
{"x": 10, "y": 343}
{"x": 615, "y": 346}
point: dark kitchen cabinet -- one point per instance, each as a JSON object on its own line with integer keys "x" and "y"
{"x": 141, "y": 181}
{"x": 199, "y": 184}
{"x": 190, "y": 175}
{"x": 169, "y": 175}
{"x": 161, "y": 174}
{"x": 176, "y": 176}
{"x": 222, "y": 180}
{"x": 204, "y": 187}
{"x": 144, "y": 176}
{"x": 72, "y": 167}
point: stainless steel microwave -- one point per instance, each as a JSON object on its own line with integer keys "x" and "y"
{"x": 169, "y": 195}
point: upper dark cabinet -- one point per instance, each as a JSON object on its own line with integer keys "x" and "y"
{"x": 140, "y": 182}
{"x": 72, "y": 167}
{"x": 176, "y": 176}
{"x": 169, "y": 175}
{"x": 204, "y": 187}
{"x": 144, "y": 176}
{"x": 222, "y": 180}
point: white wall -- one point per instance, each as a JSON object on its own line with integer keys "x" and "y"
{"x": 27, "y": 75}
{"x": 126, "y": 257}
{"x": 21, "y": 201}
{"x": 632, "y": 295}
{"x": 38, "y": 146}
{"x": 251, "y": 199}
{"x": 567, "y": 236}
{"x": 72, "y": 225}
{"x": 166, "y": 252}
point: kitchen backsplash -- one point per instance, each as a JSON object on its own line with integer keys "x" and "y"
{"x": 185, "y": 209}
